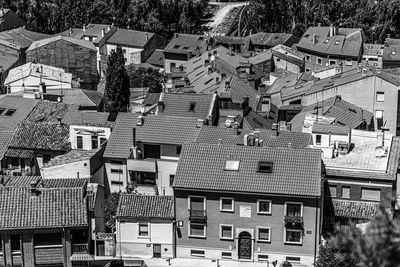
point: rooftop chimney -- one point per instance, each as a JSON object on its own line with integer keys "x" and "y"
{"x": 84, "y": 27}
{"x": 160, "y": 105}
{"x": 210, "y": 70}
{"x": 319, "y": 24}
{"x": 275, "y": 131}
{"x": 34, "y": 190}
{"x": 147, "y": 36}
{"x": 103, "y": 32}
{"x": 70, "y": 32}
{"x": 314, "y": 39}
{"x": 331, "y": 31}
{"x": 133, "y": 136}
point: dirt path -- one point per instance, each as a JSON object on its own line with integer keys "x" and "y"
{"x": 222, "y": 12}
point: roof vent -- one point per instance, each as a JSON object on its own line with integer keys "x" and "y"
{"x": 199, "y": 123}
{"x": 140, "y": 121}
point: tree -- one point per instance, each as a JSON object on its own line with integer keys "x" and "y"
{"x": 378, "y": 246}
{"x": 110, "y": 209}
{"x": 145, "y": 77}
{"x": 117, "y": 83}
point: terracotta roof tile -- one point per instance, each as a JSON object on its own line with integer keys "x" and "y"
{"x": 352, "y": 209}
{"x": 73, "y": 155}
{"x": 294, "y": 171}
{"x": 146, "y": 207}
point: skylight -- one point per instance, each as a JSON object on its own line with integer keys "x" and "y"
{"x": 326, "y": 41}
{"x": 176, "y": 46}
{"x": 393, "y": 52}
{"x": 337, "y": 42}
{"x": 265, "y": 166}
{"x": 2, "y": 110}
{"x": 9, "y": 112}
{"x": 232, "y": 165}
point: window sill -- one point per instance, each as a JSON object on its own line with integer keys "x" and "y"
{"x": 48, "y": 246}
{"x": 263, "y": 241}
{"x": 293, "y": 243}
{"x": 226, "y": 238}
{"x": 196, "y": 236}
{"x": 143, "y": 237}
{"x": 229, "y": 211}
{"x": 264, "y": 213}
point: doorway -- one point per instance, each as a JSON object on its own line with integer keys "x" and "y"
{"x": 244, "y": 247}
{"x": 156, "y": 250}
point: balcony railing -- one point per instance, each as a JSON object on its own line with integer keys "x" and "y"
{"x": 80, "y": 248}
{"x": 197, "y": 215}
{"x": 294, "y": 222}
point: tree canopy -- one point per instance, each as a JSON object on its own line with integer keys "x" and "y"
{"x": 145, "y": 77}
{"x": 117, "y": 91}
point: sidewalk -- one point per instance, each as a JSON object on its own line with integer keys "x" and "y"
{"x": 202, "y": 263}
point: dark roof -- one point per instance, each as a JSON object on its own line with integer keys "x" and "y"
{"x": 46, "y": 111}
{"x": 50, "y": 208}
{"x": 151, "y": 99}
{"x": 330, "y": 128}
{"x": 294, "y": 171}
{"x": 156, "y": 58}
{"x": 215, "y": 135}
{"x": 22, "y": 36}
{"x": 73, "y": 155}
{"x": 8, "y": 61}
{"x": 179, "y": 105}
{"x": 19, "y": 153}
{"x": 78, "y": 117}
{"x": 155, "y": 130}
{"x": 52, "y": 39}
{"x": 22, "y": 107}
{"x": 41, "y": 136}
{"x": 130, "y": 38}
{"x": 25, "y": 181}
{"x": 77, "y": 96}
{"x": 143, "y": 207}
{"x": 18, "y": 181}
{"x": 346, "y": 42}
{"x": 185, "y": 43}
{"x": 94, "y": 96}
{"x": 256, "y": 121}
{"x": 352, "y": 209}
{"x": 5, "y": 138}
{"x": 373, "y": 49}
{"x": 270, "y": 39}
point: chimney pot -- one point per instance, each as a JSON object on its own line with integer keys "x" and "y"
{"x": 275, "y": 129}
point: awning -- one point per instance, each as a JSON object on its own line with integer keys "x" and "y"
{"x": 81, "y": 257}
{"x": 19, "y": 153}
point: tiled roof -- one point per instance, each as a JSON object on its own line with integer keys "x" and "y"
{"x": 151, "y": 99}
{"x": 156, "y": 58}
{"x": 329, "y": 128}
{"x": 78, "y": 117}
{"x": 51, "y": 208}
{"x": 5, "y": 138}
{"x": 22, "y": 107}
{"x": 73, "y": 155}
{"x": 19, "y": 153}
{"x": 179, "y": 104}
{"x": 155, "y": 130}
{"x": 56, "y": 38}
{"x": 143, "y": 207}
{"x": 352, "y": 209}
{"x": 184, "y": 43}
{"x": 46, "y": 111}
{"x": 42, "y": 136}
{"x": 256, "y": 121}
{"x": 270, "y": 39}
{"x": 77, "y": 96}
{"x": 373, "y": 49}
{"x": 130, "y": 38}
{"x": 8, "y": 61}
{"x": 94, "y": 96}
{"x": 347, "y": 42}
{"x": 18, "y": 181}
{"x": 22, "y": 36}
{"x": 288, "y": 54}
{"x": 214, "y": 135}
{"x": 25, "y": 181}
{"x": 294, "y": 171}
{"x": 260, "y": 57}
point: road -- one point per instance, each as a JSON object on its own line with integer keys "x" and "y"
{"x": 222, "y": 12}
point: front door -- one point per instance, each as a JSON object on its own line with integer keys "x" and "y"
{"x": 244, "y": 247}
{"x": 156, "y": 250}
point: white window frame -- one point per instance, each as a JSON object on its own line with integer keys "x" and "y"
{"x": 263, "y": 260}
{"x": 318, "y": 58}
{"x": 220, "y": 232}
{"x": 148, "y": 230}
{"x": 349, "y": 187}
{"x": 198, "y": 255}
{"x": 348, "y": 62}
{"x": 332, "y": 62}
{"x": 258, "y": 234}
{"x": 263, "y": 212}
{"x": 291, "y": 242}
{"x": 291, "y": 202}
{"x": 382, "y": 94}
{"x": 379, "y": 111}
{"x": 221, "y": 207}
{"x": 197, "y": 236}
{"x": 226, "y": 257}
{"x": 204, "y": 201}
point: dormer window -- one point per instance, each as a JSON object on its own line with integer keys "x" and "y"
{"x": 192, "y": 106}
{"x": 232, "y": 165}
{"x": 9, "y": 112}
{"x": 265, "y": 166}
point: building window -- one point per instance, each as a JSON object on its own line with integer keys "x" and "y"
{"x": 332, "y": 62}
{"x": 197, "y": 230}
{"x": 53, "y": 239}
{"x": 79, "y": 142}
{"x": 380, "y": 96}
{"x": 95, "y": 142}
{"x": 2, "y": 110}
{"x": 231, "y": 165}
{"x": 379, "y": 118}
{"x": 116, "y": 162}
{"x": 345, "y": 191}
{"x": 293, "y": 236}
{"x": 117, "y": 183}
{"x": 263, "y": 234}
{"x": 172, "y": 65}
{"x": 332, "y": 190}
{"x": 124, "y": 51}
{"x": 192, "y": 106}
{"x": 318, "y": 139}
{"x": 226, "y": 255}
{"x": 171, "y": 179}
{"x": 263, "y": 207}
{"x": 102, "y": 141}
{"x": 226, "y": 204}
{"x": 9, "y": 112}
{"x": 117, "y": 171}
{"x": 197, "y": 253}
{"x": 143, "y": 230}
{"x": 349, "y": 62}
{"x": 278, "y": 59}
{"x": 319, "y": 60}
{"x": 293, "y": 259}
{"x": 262, "y": 257}
{"x": 294, "y": 209}
{"x": 178, "y": 150}
{"x": 308, "y": 58}
{"x": 15, "y": 243}
{"x": 265, "y": 166}
{"x": 226, "y": 232}
{"x": 370, "y": 194}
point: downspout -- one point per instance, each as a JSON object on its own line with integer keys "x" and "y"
{"x": 316, "y": 243}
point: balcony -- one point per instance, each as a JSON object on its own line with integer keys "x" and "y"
{"x": 80, "y": 248}
{"x": 197, "y": 215}
{"x": 52, "y": 254}
{"x": 142, "y": 165}
{"x": 294, "y": 222}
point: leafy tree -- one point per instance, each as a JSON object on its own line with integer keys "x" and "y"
{"x": 110, "y": 209}
{"x": 379, "y": 246}
{"x": 117, "y": 83}
{"x": 145, "y": 77}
